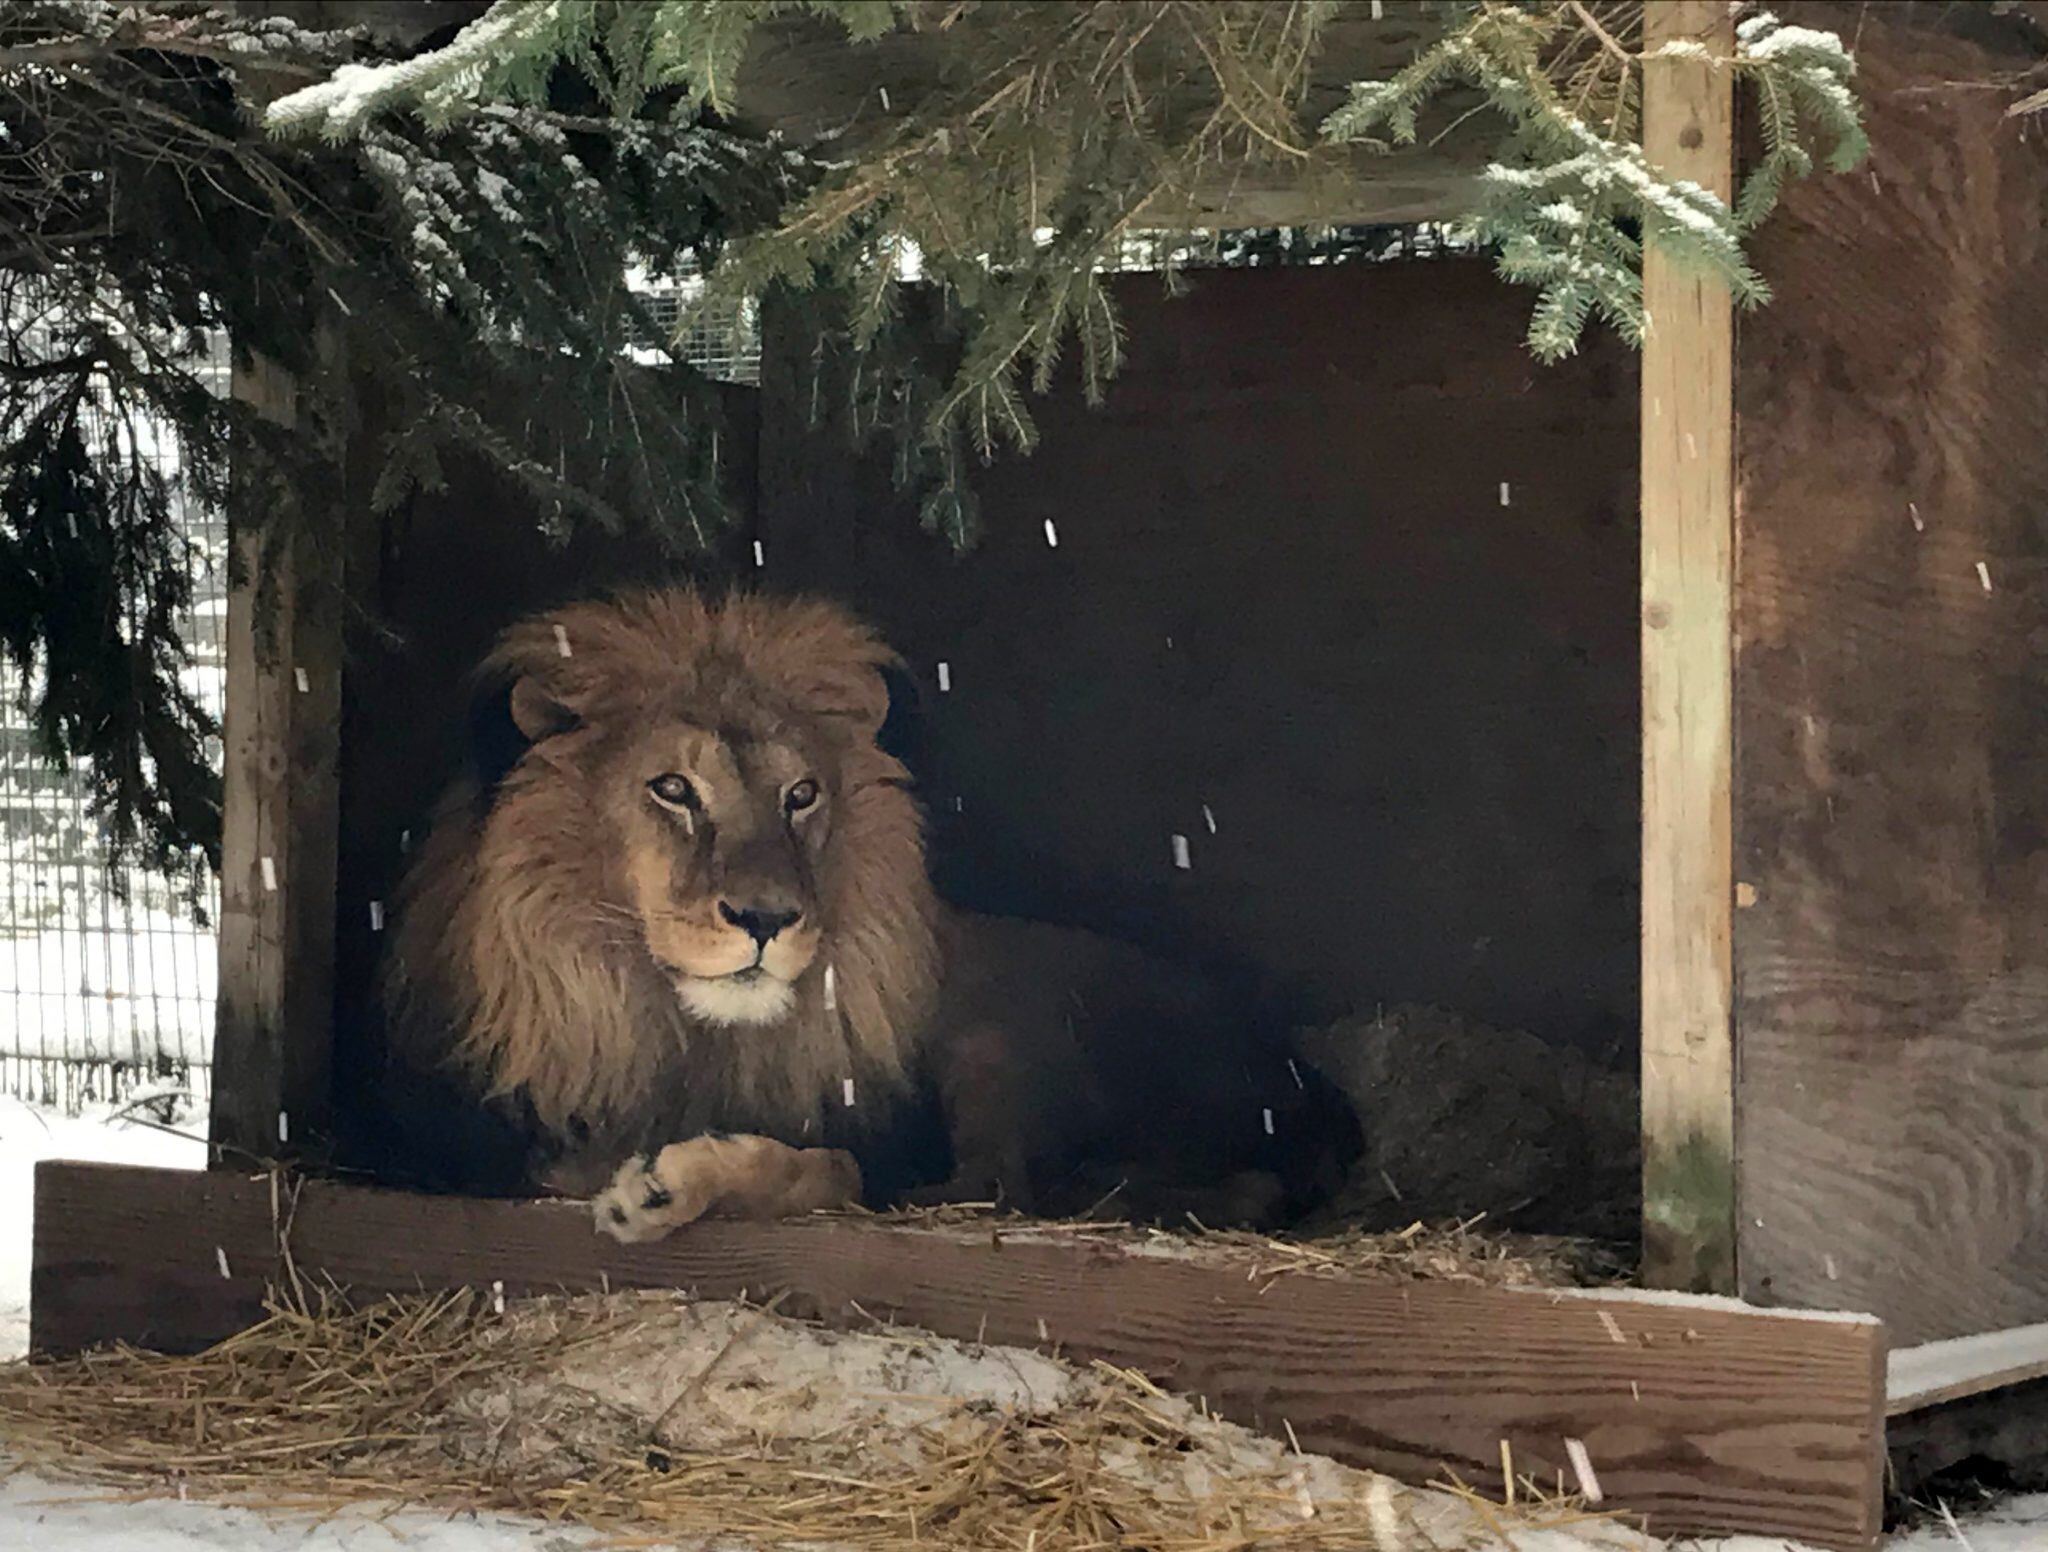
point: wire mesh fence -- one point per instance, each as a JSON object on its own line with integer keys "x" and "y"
{"x": 107, "y": 973}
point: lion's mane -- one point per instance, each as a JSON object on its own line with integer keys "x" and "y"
{"x": 517, "y": 961}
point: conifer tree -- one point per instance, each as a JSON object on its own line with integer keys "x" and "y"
{"x": 442, "y": 238}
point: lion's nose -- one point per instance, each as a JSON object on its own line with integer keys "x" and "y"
{"x": 760, "y": 923}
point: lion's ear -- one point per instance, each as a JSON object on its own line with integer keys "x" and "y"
{"x": 855, "y": 691}
{"x": 538, "y": 711}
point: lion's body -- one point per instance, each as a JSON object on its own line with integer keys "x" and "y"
{"x": 563, "y": 961}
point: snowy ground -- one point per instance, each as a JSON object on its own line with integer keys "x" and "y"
{"x": 59, "y": 1517}
{"x": 52, "y": 1518}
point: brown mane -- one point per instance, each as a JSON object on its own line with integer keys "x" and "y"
{"x": 518, "y": 960}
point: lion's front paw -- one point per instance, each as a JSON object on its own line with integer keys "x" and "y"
{"x": 645, "y": 1202}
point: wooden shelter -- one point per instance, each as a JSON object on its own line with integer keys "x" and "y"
{"x": 1826, "y": 630}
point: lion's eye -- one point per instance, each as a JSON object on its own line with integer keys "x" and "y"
{"x": 673, "y": 791}
{"x": 800, "y": 797}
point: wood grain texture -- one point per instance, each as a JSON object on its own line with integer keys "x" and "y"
{"x": 1702, "y": 1415}
{"x": 276, "y": 946}
{"x": 1932, "y": 1374}
{"x": 1688, "y": 1061}
{"x": 1892, "y": 777}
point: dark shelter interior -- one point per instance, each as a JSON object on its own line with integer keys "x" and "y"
{"x": 1309, "y": 658}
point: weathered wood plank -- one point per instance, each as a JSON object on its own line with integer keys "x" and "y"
{"x": 1892, "y": 738}
{"x": 1703, "y": 1415}
{"x": 1687, "y": 536}
{"x": 282, "y": 737}
{"x": 1934, "y": 1373}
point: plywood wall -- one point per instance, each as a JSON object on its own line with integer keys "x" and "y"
{"x": 1891, "y": 766}
{"x": 1339, "y": 568}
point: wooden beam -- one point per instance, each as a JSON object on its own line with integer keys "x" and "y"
{"x": 280, "y": 787}
{"x": 1688, "y": 1064}
{"x": 802, "y": 81}
{"x": 1703, "y": 1415}
{"x": 1935, "y": 1373}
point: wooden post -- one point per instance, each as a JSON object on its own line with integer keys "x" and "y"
{"x": 282, "y": 734}
{"x": 1689, "y": 1208}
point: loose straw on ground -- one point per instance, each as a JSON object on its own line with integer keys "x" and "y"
{"x": 322, "y": 1406}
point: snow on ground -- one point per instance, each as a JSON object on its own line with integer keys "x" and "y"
{"x": 28, "y": 1135}
{"x": 48, "y": 1517}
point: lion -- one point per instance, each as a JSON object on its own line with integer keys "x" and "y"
{"x": 686, "y": 953}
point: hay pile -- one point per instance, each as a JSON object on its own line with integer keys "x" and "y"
{"x": 655, "y": 1419}
{"x": 1461, "y": 1119}
{"x": 1470, "y": 1250}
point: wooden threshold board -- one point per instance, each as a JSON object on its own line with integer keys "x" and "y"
{"x": 1703, "y": 1416}
{"x": 1934, "y": 1373}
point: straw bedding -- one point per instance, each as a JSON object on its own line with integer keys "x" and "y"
{"x": 1470, "y": 1250}
{"x": 659, "y": 1420}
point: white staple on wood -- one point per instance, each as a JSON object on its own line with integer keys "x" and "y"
{"x": 1295, "y": 1072}
{"x": 848, "y": 1091}
{"x": 759, "y": 558}
{"x": 1267, "y": 1115}
{"x": 1984, "y": 575}
{"x": 1209, "y": 818}
{"x": 1834, "y": 1273}
{"x": 1635, "y": 1389}
{"x": 1052, "y": 535}
{"x": 1296, "y": 1443}
{"x": 1913, "y": 511}
{"x": 269, "y": 875}
{"x": 1582, "y": 1468}
{"x": 562, "y": 641}
{"x": 831, "y": 991}
{"x": 304, "y": 683}
{"x": 376, "y": 915}
{"x": 1613, "y": 1327}
{"x": 284, "y": 1127}
{"x": 1181, "y": 859}
{"x": 497, "y": 1298}
{"x": 945, "y": 678}
{"x": 220, "y": 1256}
{"x": 959, "y": 805}
{"x": 1503, "y": 492}
{"x": 884, "y": 91}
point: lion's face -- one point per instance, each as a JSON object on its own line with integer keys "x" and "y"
{"x": 722, "y": 835}
{"x": 702, "y": 829}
